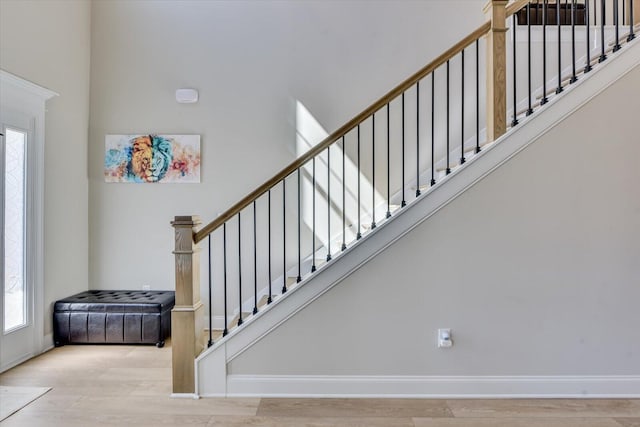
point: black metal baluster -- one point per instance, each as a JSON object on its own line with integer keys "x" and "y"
{"x": 299, "y": 278}
{"x": 616, "y": 47}
{"x": 328, "y": 203}
{"x": 559, "y": 89}
{"x": 603, "y": 55}
{"x": 631, "y": 34}
{"x": 595, "y": 12}
{"x": 210, "y": 342}
{"x": 240, "y": 321}
{"x": 477, "y": 96}
{"x": 530, "y": 109}
{"x": 514, "y": 122}
{"x": 448, "y": 171}
{"x": 388, "y": 165}
{"x": 574, "y": 78}
{"x": 587, "y": 65}
{"x": 417, "y": 138}
{"x": 313, "y": 207}
{"x": 403, "y": 203}
{"x": 544, "y": 98}
{"x": 373, "y": 171}
{"x": 462, "y": 159}
{"x": 224, "y": 259}
{"x": 344, "y": 207}
{"x": 358, "y": 235}
{"x": 284, "y": 236}
{"x": 433, "y": 127}
{"x": 269, "y": 299}
{"x": 255, "y": 262}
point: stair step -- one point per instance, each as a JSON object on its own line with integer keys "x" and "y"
{"x": 319, "y": 261}
{"x": 594, "y": 60}
{"x": 442, "y": 169}
{"x": 472, "y": 148}
{"x": 623, "y": 37}
{"x": 423, "y": 187}
{"x": 363, "y": 226}
{"x": 234, "y": 321}
{"x": 263, "y": 301}
{"x": 523, "y": 111}
{"x": 216, "y": 334}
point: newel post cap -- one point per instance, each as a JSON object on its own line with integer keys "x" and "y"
{"x": 186, "y": 221}
{"x": 493, "y": 3}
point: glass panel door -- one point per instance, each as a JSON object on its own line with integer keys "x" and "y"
{"x": 14, "y": 174}
{"x": 18, "y": 338}
{"x": 22, "y": 308}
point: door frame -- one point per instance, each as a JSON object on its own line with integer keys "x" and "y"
{"x": 20, "y": 97}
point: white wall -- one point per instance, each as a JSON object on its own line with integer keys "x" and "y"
{"x": 47, "y": 42}
{"x": 251, "y": 61}
{"x": 535, "y": 269}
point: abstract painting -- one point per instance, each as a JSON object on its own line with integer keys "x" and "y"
{"x": 152, "y": 158}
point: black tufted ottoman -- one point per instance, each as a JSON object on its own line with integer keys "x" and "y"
{"x": 116, "y": 317}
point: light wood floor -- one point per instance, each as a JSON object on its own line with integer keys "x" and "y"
{"x": 130, "y": 385}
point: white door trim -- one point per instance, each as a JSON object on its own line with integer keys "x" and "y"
{"x": 26, "y": 98}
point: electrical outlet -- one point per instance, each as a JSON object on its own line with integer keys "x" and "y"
{"x": 444, "y": 338}
{"x": 146, "y": 287}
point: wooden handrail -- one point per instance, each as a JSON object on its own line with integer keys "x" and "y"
{"x": 318, "y": 148}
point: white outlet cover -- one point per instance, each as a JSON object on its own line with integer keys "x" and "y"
{"x": 444, "y": 338}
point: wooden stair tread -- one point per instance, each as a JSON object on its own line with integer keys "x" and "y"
{"x": 216, "y": 334}
{"x": 423, "y": 187}
{"x": 473, "y": 147}
{"x": 263, "y": 301}
{"x": 234, "y": 321}
{"x": 319, "y": 262}
{"x": 291, "y": 281}
{"x": 444, "y": 168}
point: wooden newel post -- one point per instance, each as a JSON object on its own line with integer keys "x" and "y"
{"x": 636, "y": 11}
{"x": 187, "y": 318}
{"x": 496, "y": 70}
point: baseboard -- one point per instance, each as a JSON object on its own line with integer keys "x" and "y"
{"x": 185, "y": 396}
{"x": 47, "y": 342}
{"x": 615, "y": 386}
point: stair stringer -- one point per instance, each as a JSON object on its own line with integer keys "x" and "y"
{"x": 211, "y": 365}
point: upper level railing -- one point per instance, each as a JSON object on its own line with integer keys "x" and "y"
{"x": 386, "y": 157}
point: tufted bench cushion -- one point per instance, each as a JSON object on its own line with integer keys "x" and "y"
{"x": 131, "y": 317}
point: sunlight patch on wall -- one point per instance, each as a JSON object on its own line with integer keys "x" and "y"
{"x": 329, "y": 175}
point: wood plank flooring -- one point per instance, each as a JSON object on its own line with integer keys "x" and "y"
{"x": 130, "y": 386}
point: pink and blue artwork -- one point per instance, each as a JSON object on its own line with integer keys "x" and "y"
{"x": 152, "y": 158}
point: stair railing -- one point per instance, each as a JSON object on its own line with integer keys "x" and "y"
{"x": 312, "y": 211}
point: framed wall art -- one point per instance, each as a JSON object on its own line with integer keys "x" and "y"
{"x": 152, "y": 158}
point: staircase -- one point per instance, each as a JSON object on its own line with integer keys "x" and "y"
{"x": 374, "y": 180}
